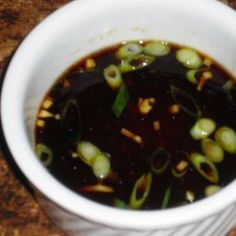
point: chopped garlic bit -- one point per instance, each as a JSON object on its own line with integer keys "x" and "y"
{"x": 66, "y": 83}
{"x": 152, "y": 100}
{"x": 74, "y": 155}
{"x": 90, "y": 63}
{"x": 205, "y": 76}
{"x": 190, "y": 196}
{"x": 207, "y": 61}
{"x": 157, "y": 125}
{"x": 131, "y": 136}
{"x": 182, "y": 165}
{"x": 57, "y": 116}
{"x": 174, "y": 109}
{"x": 40, "y": 123}
{"x": 145, "y": 105}
{"x": 45, "y": 114}
{"x": 47, "y": 103}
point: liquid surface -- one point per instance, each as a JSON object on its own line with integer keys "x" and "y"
{"x": 165, "y": 126}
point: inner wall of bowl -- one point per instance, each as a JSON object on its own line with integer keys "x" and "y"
{"x": 65, "y": 40}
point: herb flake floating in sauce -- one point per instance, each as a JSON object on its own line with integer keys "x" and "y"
{"x": 141, "y": 125}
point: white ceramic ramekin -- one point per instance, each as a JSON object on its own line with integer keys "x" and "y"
{"x": 76, "y": 30}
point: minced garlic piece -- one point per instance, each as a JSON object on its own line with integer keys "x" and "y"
{"x": 45, "y": 114}
{"x": 131, "y": 135}
{"x": 66, "y": 83}
{"x": 40, "y": 123}
{"x": 152, "y": 100}
{"x": 57, "y": 116}
{"x": 207, "y": 74}
{"x": 74, "y": 155}
{"x": 90, "y": 63}
{"x": 207, "y": 61}
{"x": 181, "y": 165}
{"x": 174, "y": 109}
{"x": 157, "y": 125}
{"x": 190, "y": 196}
{"x": 145, "y": 105}
{"x": 47, "y": 103}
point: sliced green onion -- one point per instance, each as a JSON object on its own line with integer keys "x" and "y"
{"x": 92, "y": 156}
{"x": 157, "y": 48}
{"x": 120, "y": 204}
{"x": 226, "y": 137}
{"x": 140, "y": 191}
{"x": 88, "y": 152}
{"x": 71, "y": 121}
{"x": 211, "y": 189}
{"x": 98, "y": 188}
{"x": 203, "y": 128}
{"x": 186, "y": 102}
{"x": 113, "y": 76}
{"x": 191, "y": 76}
{"x": 101, "y": 166}
{"x": 166, "y": 198}
{"x": 160, "y": 160}
{"x": 228, "y": 85}
{"x": 44, "y": 154}
{"x": 212, "y": 150}
{"x": 121, "y": 101}
{"x": 205, "y": 167}
{"x": 129, "y": 49}
{"x": 135, "y": 62}
{"x": 189, "y": 58}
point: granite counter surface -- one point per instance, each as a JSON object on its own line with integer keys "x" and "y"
{"x": 20, "y": 215}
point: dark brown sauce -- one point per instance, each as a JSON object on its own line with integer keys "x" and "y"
{"x": 96, "y": 123}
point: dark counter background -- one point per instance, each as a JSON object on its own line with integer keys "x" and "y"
{"x": 20, "y": 215}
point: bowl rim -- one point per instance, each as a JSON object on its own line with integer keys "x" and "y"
{"x": 60, "y": 194}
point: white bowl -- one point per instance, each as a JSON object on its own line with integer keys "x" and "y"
{"x": 71, "y": 33}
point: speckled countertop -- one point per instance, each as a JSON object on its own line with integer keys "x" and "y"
{"x": 20, "y": 215}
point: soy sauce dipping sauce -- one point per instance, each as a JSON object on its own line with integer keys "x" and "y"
{"x": 141, "y": 125}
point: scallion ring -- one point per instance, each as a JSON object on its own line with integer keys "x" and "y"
{"x": 44, "y": 154}
{"x": 129, "y": 49}
{"x": 101, "y": 166}
{"x": 157, "y": 48}
{"x": 212, "y": 150}
{"x": 185, "y": 101}
{"x": 160, "y": 160}
{"x": 205, "y": 167}
{"x": 71, "y": 124}
{"x": 189, "y": 58}
{"x": 113, "y": 77}
{"x": 87, "y": 152}
{"x": 135, "y": 62}
{"x": 211, "y": 189}
{"x": 140, "y": 191}
{"x": 226, "y": 137}
{"x": 203, "y": 128}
